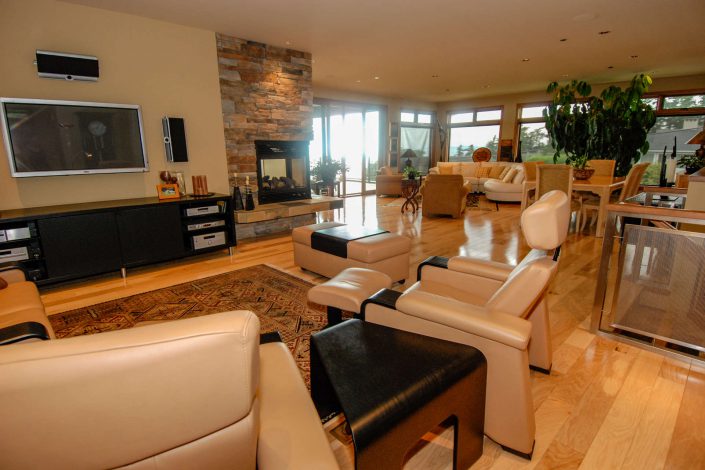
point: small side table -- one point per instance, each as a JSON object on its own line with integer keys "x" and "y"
{"x": 394, "y": 386}
{"x": 409, "y": 190}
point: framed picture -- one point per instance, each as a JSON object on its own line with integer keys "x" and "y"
{"x": 168, "y": 191}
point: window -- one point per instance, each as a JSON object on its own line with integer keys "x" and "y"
{"x": 351, "y": 133}
{"x": 535, "y": 144}
{"x": 415, "y": 134}
{"x": 470, "y": 130}
{"x": 678, "y": 118}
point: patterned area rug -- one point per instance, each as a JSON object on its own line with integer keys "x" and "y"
{"x": 278, "y": 299}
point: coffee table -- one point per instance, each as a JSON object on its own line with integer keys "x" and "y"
{"x": 394, "y": 386}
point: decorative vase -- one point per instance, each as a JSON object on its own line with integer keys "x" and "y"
{"x": 583, "y": 173}
{"x": 249, "y": 200}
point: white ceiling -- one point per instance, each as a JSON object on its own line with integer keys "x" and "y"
{"x": 475, "y": 47}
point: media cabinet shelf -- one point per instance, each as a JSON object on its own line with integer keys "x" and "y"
{"x": 74, "y": 241}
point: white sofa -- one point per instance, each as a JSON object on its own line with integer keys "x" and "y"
{"x": 497, "y": 186}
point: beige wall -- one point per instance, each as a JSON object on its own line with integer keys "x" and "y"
{"x": 167, "y": 69}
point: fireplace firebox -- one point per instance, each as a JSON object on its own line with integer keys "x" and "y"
{"x": 282, "y": 170}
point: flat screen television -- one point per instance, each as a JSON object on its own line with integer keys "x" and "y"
{"x": 47, "y": 137}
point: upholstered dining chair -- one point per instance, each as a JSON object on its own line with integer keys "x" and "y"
{"x": 499, "y": 309}
{"x": 558, "y": 177}
{"x": 602, "y": 167}
{"x": 530, "y": 177}
{"x": 630, "y": 188}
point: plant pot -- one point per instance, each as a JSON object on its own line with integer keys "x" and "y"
{"x": 583, "y": 173}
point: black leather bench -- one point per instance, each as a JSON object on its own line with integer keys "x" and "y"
{"x": 395, "y": 386}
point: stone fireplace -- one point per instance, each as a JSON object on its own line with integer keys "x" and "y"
{"x": 282, "y": 171}
{"x": 266, "y": 94}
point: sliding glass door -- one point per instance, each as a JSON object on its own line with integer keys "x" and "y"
{"x": 350, "y": 133}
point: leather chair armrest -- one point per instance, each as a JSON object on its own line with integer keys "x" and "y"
{"x": 12, "y": 272}
{"x": 489, "y": 269}
{"x": 495, "y": 326}
{"x": 291, "y": 435}
{"x": 26, "y": 331}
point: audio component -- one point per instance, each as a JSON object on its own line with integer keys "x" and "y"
{"x": 203, "y": 210}
{"x": 65, "y": 66}
{"x": 208, "y": 240}
{"x": 14, "y": 254}
{"x": 201, "y": 226}
{"x": 175, "y": 139}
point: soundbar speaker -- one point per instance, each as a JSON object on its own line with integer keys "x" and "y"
{"x": 175, "y": 139}
{"x": 63, "y": 66}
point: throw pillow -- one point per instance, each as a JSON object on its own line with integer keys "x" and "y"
{"x": 496, "y": 171}
{"x": 518, "y": 178}
{"x": 504, "y": 171}
{"x": 510, "y": 175}
{"x": 3, "y": 283}
{"x": 468, "y": 169}
{"x": 484, "y": 172}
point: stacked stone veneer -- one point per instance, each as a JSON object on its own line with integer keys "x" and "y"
{"x": 266, "y": 94}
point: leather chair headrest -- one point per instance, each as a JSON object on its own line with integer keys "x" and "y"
{"x": 545, "y": 222}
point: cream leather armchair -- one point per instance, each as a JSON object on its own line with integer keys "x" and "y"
{"x": 196, "y": 393}
{"x": 500, "y": 310}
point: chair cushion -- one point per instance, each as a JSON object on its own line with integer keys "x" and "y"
{"x": 349, "y": 289}
{"x": 20, "y": 296}
{"x": 509, "y": 176}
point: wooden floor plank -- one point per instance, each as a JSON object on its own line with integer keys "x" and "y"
{"x": 609, "y": 447}
{"x": 688, "y": 442}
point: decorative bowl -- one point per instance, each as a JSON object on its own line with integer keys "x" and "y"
{"x": 583, "y": 173}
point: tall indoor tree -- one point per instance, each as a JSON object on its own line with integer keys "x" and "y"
{"x": 612, "y": 126}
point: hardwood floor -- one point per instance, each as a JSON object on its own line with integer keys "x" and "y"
{"x": 605, "y": 404}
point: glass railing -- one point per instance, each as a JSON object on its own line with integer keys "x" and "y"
{"x": 651, "y": 279}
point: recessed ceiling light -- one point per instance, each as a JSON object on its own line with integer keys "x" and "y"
{"x": 525, "y": 59}
{"x": 486, "y": 86}
{"x": 376, "y": 78}
{"x": 435, "y": 76}
{"x": 563, "y": 39}
{"x": 584, "y": 17}
{"x": 288, "y": 43}
{"x": 447, "y": 89}
{"x": 602, "y": 33}
{"x": 565, "y": 75}
{"x": 610, "y": 67}
{"x": 358, "y": 81}
{"x": 634, "y": 56}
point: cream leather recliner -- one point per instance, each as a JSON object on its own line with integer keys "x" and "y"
{"x": 196, "y": 393}
{"x": 500, "y": 310}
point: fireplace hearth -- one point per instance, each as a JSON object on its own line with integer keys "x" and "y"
{"x": 282, "y": 171}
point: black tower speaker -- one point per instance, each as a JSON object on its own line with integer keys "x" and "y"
{"x": 175, "y": 139}
{"x": 64, "y": 66}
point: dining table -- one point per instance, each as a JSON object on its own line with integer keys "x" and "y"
{"x": 602, "y": 186}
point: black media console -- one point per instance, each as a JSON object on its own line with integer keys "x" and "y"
{"x": 60, "y": 243}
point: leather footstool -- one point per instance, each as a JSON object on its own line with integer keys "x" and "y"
{"x": 347, "y": 290}
{"x": 394, "y": 386}
{"x": 384, "y": 252}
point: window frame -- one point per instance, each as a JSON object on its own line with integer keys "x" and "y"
{"x": 431, "y": 126}
{"x": 474, "y": 123}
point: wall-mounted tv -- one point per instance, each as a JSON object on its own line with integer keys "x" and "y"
{"x": 46, "y": 137}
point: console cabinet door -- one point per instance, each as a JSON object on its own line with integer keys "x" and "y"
{"x": 150, "y": 234}
{"x": 79, "y": 245}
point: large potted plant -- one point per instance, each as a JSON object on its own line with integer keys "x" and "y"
{"x": 612, "y": 126}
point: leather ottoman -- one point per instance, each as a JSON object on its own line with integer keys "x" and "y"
{"x": 394, "y": 386}
{"x": 384, "y": 252}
